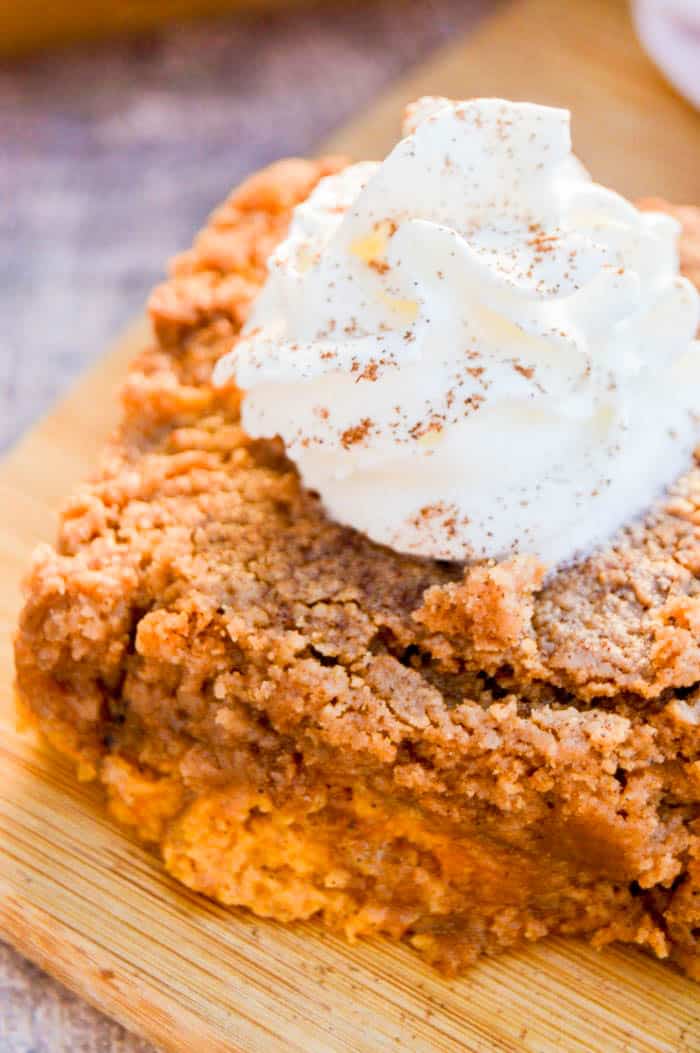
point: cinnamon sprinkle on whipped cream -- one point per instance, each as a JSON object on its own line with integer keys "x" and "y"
{"x": 472, "y": 350}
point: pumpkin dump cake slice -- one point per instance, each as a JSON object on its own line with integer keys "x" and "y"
{"x": 463, "y": 754}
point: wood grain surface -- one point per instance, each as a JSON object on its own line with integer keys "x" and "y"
{"x": 79, "y": 897}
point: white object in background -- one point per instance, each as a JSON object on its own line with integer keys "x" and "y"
{"x": 670, "y": 32}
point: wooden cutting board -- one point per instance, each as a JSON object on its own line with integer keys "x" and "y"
{"x": 79, "y": 897}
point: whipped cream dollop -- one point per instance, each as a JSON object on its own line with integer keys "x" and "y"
{"x": 470, "y": 349}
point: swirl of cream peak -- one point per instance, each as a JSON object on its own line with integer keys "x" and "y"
{"x": 472, "y": 350}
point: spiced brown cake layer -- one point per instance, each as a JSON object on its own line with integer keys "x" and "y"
{"x": 311, "y": 725}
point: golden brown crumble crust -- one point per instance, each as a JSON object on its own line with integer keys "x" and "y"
{"x": 312, "y": 725}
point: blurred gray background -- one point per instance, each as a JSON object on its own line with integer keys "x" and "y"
{"x": 111, "y": 156}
